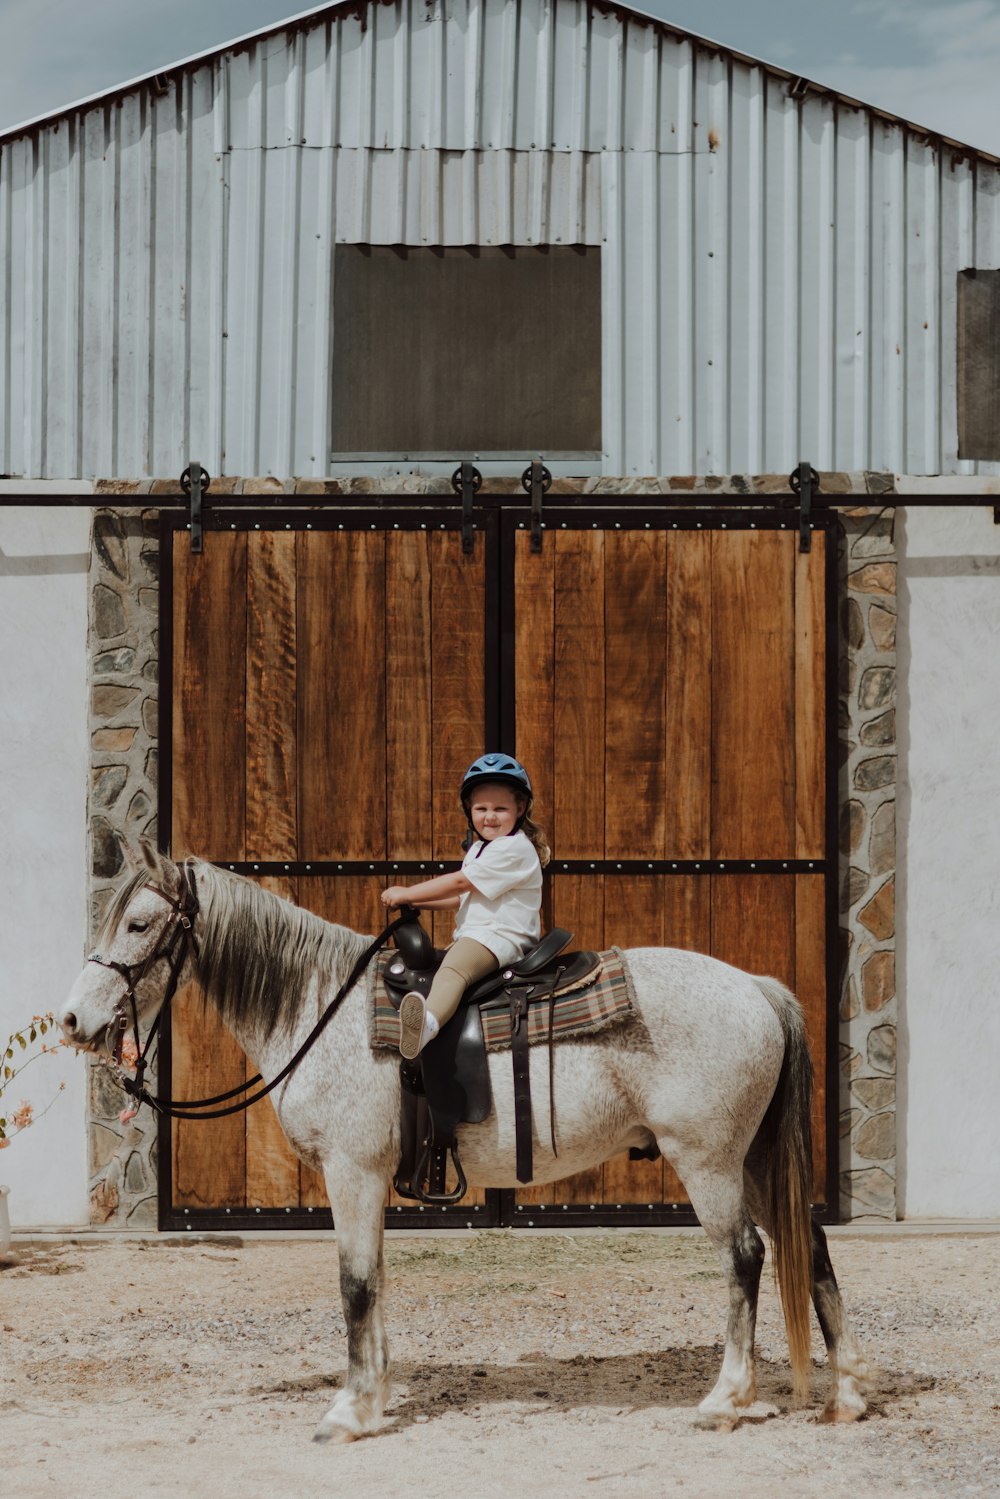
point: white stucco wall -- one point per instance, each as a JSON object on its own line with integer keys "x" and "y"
{"x": 949, "y": 863}
{"x": 44, "y": 559}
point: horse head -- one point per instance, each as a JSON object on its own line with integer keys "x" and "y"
{"x": 144, "y": 948}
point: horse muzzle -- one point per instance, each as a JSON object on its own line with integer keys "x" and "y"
{"x": 86, "y": 1022}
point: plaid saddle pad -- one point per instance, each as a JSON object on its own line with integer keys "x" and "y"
{"x": 605, "y": 999}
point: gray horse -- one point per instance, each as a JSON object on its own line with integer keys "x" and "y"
{"x": 713, "y": 1066}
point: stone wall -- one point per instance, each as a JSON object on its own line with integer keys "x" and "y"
{"x": 124, "y": 667}
{"x": 867, "y": 734}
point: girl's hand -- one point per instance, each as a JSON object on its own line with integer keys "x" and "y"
{"x": 396, "y": 895}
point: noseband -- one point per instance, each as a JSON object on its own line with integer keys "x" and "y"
{"x": 176, "y": 940}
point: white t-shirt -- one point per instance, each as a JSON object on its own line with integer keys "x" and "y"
{"x": 502, "y": 909}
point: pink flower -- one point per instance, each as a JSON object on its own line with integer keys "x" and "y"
{"x": 4, "y": 1143}
{"x": 22, "y": 1115}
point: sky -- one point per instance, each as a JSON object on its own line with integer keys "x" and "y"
{"x": 934, "y": 63}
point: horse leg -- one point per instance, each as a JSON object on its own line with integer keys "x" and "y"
{"x": 357, "y": 1197}
{"x": 851, "y": 1379}
{"x": 717, "y": 1197}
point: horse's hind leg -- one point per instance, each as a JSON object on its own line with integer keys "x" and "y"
{"x": 717, "y": 1197}
{"x": 357, "y": 1198}
{"x": 851, "y": 1379}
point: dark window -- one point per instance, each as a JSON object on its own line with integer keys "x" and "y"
{"x": 462, "y": 351}
{"x": 979, "y": 365}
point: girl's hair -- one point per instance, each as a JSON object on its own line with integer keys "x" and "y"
{"x": 536, "y": 835}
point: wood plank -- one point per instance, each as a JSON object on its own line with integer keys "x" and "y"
{"x": 633, "y": 916}
{"x": 753, "y": 923}
{"x": 272, "y": 1166}
{"x": 810, "y": 986}
{"x": 578, "y": 905}
{"x": 341, "y": 699}
{"x": 688, "y": 731}
{"x": 458, "y": 686}
{"x": 408, "y": 694}
{"x": 209, "y": 734}
{"x": 753, "y": 730}
{"x": 635, "y": 664}
{"x": 810, "y": 699}
{"x": 579, "y": 752}
{"x": 209, "y": 698}
{"x": 633, "y": 910}
{"x": 271, "y": 715}
{"x": 687, "y": 912}
{"x": 534, "y": 686}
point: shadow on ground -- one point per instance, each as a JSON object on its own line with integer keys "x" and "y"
{"x": 673, "y": 1378}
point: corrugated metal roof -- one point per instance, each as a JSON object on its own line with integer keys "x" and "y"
{"x": 778, "y": 273}
{"x": 360, "y": 10}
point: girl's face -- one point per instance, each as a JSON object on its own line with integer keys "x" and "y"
{"x": 494, "y": 810}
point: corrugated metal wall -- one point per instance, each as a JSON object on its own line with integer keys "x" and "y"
{"x": 779, "y": 275}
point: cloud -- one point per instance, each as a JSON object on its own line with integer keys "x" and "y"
{"x": 950, "y": 85}
{"x": 58, "y": 51}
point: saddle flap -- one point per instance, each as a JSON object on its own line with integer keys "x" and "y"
{"x": 456, "y": 1075}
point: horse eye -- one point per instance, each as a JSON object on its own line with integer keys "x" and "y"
{"x": 138, "y": 926}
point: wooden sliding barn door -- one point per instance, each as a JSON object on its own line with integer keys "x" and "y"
{"x": 327, "y": 692}
{"x": 671, "y": 702}
{"x": 330, "y": 678}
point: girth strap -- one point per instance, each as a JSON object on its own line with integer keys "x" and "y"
{"x": 520, "y": 1056}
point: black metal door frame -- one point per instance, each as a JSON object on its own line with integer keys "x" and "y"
{"x": 500, "y": 518}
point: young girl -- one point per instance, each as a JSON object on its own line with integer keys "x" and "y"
{"x": 497, "y": 893}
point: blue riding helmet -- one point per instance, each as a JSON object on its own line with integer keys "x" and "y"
{"x": 502, "y": 768}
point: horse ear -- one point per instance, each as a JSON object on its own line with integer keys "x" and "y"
{"x": 150, "y": 857}
{"x": 129, "y": 854}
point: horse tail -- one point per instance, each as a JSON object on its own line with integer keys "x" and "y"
{"x": 786, "y": 1135}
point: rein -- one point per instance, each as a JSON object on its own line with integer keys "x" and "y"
{"x": 183, "y": 913}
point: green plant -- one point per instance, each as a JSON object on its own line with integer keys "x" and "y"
{"x": 28, "y": 1042}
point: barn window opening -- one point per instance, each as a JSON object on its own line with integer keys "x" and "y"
{"x": 979, "y": 365}
{"x": 459, "y": 351}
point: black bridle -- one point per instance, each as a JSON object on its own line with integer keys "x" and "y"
{"x": 180, "y": 926}
{"x": 176, "y": 940}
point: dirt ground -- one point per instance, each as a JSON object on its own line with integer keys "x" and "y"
{"x": 524, "y": 1365}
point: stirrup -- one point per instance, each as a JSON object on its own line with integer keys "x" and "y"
{"x": 417, "y": 1192}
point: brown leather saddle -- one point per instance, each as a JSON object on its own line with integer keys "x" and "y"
{"x": 448, "y": 1084}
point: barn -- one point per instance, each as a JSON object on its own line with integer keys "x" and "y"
{"x": 410, "y": 378}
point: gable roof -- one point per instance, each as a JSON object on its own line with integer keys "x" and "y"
{"x": 316, "y": 15}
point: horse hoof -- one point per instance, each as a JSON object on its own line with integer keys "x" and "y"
{"x": 715, "y": 1421}
{"x": 337, "y": 1434}
{"x": 841, "y": 1415}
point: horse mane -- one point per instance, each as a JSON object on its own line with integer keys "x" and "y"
{"x": 258, "y": 953}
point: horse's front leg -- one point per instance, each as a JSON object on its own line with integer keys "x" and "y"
{"x": 357, "y": 1197}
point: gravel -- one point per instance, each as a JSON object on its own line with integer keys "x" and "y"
{"x": 525, "y": 1364}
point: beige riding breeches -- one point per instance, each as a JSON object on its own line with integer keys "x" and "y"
{"x": 465, "y": 961}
